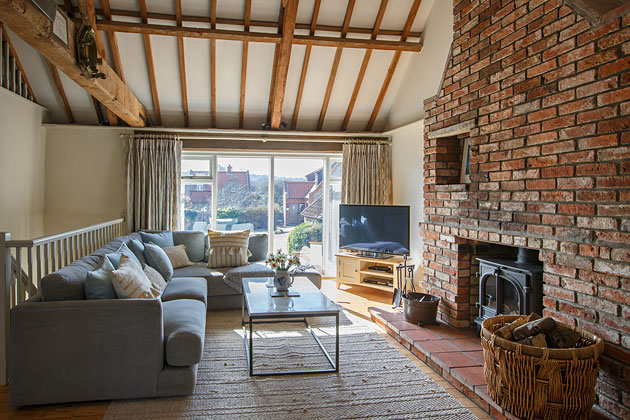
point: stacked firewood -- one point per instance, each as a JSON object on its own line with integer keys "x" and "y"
{"x": 533, "y": 330}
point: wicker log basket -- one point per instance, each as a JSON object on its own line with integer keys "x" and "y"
{"x": 540, "y": 383}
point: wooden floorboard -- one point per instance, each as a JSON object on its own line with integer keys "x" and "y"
{"x": 354, "y": 299}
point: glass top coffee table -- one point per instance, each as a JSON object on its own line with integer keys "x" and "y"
{"x": 261, "y": 308}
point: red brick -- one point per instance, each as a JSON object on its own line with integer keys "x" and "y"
{"x": 614, "y": 67}
{"x": 575, "y": 183}
{"x": 617, "y": 124}
{"x": 618, "y": 95}
{"x": 558, "y": 147}
{"x": 542, "y": 161}
{"x": 596, "y": 114}
{"x": 614, "y": 182}
{"x": 572, "y": 208}
{"x": 597, "y": 142}
{"x": 596, "y": 169}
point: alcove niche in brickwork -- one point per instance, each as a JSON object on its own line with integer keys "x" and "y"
{"x": 443, "y": 154}
{"x": 599, "y": 11}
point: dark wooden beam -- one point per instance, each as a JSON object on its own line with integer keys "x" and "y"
{"x": 60, "y": 91}
{"x": 28, "y": 22}
{"x": 229, "y": 35}
{"x": 282, "y": 68}
{"x": 364, "y": 64}
{"x": 413, "y": 12}
{"x": 307, "y": 57}
{"x": 88, "y": 16}
{"x": 241, "y": 115}
{"x": 113, "y": 43}
{"x": 256, "y": 23}
{"x": 150, "y": 66}
{"x": 182, "y": 64}
{"x": 335, "y": 66}
{"x": 213, "y": 66}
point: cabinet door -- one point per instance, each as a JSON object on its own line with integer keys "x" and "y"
{"x": 348, "y": 270}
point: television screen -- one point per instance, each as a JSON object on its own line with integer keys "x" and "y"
{"x": 379, "y": 229}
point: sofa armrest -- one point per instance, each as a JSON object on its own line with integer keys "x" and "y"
{"x": 85, "y": 350}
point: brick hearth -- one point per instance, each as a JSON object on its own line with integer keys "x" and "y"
{"x": 543, "y": 95}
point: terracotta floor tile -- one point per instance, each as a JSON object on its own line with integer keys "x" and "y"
{"x": 387, "y": 315}
{"x": 453, "y": 360}
{"x": 435, "y": 346}
{"x": 467, "y": 344}
{"x": 403, "y": 326}
{"x": 420, "y": 334}
{"x": 448, "y": 332}
{"x": 477, "y": 356}
{"x": 470, "y": 376}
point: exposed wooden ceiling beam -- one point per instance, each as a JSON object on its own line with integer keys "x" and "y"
{"x": 282, "y": 68}
{"x": 182, "y": 64}
{"x": 335, "y": 66}
{"x": 13, "y": 54}
{"x": 204, "y": 33}
{"x": 113, "y": 43}
{"x": 86, "y": 7}
{"x": 241, "y": 115}
{"x": 392, "y": 66}
{"x": 364, "y": 64}
{"x": 255, "y": 23}
{"x": 307, "y": 57}
{"x": 150, "y": 66}
{"x": 28, "y": 22}
{"x": 60, "y": 90}
{"x": 213, "y": 66}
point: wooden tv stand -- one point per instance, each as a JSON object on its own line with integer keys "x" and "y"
{"x": 355, "y": 269}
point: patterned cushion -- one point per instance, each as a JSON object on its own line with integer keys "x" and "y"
{"x": 154, "y": 277}
{"x": 177, "y": 255}
{"x": 130, "y": 282}
{"x": 228, "y": 249}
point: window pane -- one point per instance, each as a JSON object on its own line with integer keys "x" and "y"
{"x": 196, "y": 168}
{"x": 298, "y": 195}
{"x": 242, "y": 194}
{"x": 196, "y": 206}
{"x": 335, "y": 169}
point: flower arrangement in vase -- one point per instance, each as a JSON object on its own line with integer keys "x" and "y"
{"x": 281, "y": 262}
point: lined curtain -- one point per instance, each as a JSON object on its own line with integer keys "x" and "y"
{"x": 153, "y": 181}
{"x": 367, "y": 172}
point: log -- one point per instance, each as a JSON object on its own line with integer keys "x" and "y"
{"x": 539, "y": 340}
{"x": 562, "y": 338}
{"x": 506, "y": 331}
{"x": 543, "y": 325}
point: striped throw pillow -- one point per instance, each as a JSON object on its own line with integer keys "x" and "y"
{"x": 228, "y": 249}
{"x": 130, "y": 282}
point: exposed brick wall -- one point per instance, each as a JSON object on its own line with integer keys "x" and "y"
{"x": 550, "y": 166}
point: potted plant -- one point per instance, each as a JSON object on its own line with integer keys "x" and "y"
{"x": 281, "y": 262}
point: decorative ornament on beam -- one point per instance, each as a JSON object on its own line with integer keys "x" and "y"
{"x": 87, "y": 54}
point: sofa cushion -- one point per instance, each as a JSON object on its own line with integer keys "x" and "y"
{"x": 154, "y": 277}
{"x": 161, "y": 239}
{"x": 130, "y": 282}
{"x": 114, "y": 257}
{"x": 195, "y": 243}
{"x": 234, "y": 276}
{"x": 184, "y": 328}
{"x": 98, "y": 283}
{"x": 228, "y": 249}
{"x": 137, "y": 247}
{"x": 186, "y": 288}
{"x": 258, "y": 246}
{"x": 214, "y": 278}
{"x": 158, "y": 259}
{"x": 177, "y": 256}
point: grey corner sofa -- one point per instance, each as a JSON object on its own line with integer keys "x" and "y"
{"x": 65, "y": 348}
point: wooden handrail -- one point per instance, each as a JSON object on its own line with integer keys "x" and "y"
{"x": 47, "y": 239}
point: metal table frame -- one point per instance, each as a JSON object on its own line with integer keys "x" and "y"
{"x": 248, "y": 337}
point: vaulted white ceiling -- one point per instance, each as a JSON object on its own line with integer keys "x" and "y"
{"x": 260, "y": 59}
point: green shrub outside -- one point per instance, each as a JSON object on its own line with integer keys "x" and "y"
{"x": 304, "y": 233}
{"x": 228, "y": 213}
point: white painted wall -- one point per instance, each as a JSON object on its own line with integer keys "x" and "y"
{"x": 22, "y": 150}
{"x": 424, "y": 73}
{"x": 85, "y": 177}
{"x": 407, "y": 181}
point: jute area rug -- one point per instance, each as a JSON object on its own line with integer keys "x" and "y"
{"x": 375, "y": 381}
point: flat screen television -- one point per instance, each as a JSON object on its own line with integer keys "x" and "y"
{"x": 377, "y": 230}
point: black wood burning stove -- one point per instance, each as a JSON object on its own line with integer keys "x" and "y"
{"x": 508, "y": 287}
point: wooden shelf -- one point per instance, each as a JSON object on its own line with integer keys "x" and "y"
{"x": 354, "y": 269}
